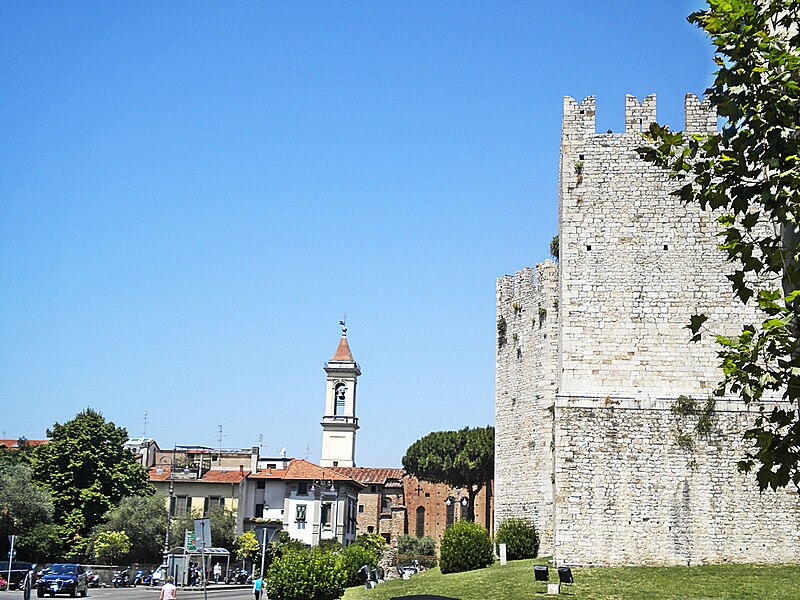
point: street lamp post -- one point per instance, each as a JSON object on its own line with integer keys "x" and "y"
{"x": 169, "y": 460}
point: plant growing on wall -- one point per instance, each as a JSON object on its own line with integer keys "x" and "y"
{"x": 750, "y": 173}
{"x": 501, "y": 332}
{"x": 554, "y": 247}
{"x": 689, "y": 411}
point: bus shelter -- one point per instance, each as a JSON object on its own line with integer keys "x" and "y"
{"x": 180, "y": 560}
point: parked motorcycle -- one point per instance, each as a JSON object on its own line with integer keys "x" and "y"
{"x": 121, "y": 578}
{"x": 93, "y": 579}
{"x": 239, "y": 576}
{"x": 142, "y": 577}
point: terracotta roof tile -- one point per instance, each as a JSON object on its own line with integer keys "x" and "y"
{"x": 268, "y": 474}
{"x": 14, "y": 444}
{"x": 343, "y": 353}
{"x": 210, "y": 476}
{"x": 302, "y": 469}
{"x": 365, "y": 475}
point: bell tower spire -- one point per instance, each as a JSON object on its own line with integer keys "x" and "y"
{"x": 339, "y": 423}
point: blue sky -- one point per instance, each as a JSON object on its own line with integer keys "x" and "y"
{"x": 193, "y": 194}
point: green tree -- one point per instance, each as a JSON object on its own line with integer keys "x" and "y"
{"x": 247, "y": 548}
{"x": 23, "y": 504}
{"x": 143, "y": 519}
{"x": 112, "y": 546}
{"x": 750, "y": 173}
{"x": 87, "y": 471}
{"x": 40, "y": 543}
{"x": 463, "y": 458}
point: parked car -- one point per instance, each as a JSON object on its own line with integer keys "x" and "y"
{"x": 63, "y": 578}
{"x": 19, "y": 570}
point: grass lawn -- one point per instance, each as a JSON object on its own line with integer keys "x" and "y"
{"x": 515, "y": 582}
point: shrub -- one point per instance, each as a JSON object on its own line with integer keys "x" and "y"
{"x": 408, "y": 544}
{"x": 330, "y": 545}
{"x": 465, "y": 546}
{"x": 306, "y": 575}
{"x": 352, "y": 558}
{"x": 426, "y": 546}
{"x": 520, "y": 538}
{"x": 372, "y": 542}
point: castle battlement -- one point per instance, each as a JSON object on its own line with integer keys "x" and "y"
{"x": 579, "y": 119}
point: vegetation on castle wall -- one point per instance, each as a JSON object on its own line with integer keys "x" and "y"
{"x": 502, "y": 327}
{"x": 554, "y": 247}
{"x": 750, "y": 173}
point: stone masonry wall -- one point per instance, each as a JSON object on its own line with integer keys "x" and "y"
{"x": 629, "y": 493}
{"x": 636, "y": 263}
{"x": 525, "y": 392}
{"x": 586, "y": 442}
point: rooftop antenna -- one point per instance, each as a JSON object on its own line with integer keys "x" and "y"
{"x": 260, "y": 441}
{"x": 219, "y": 439}
{"x": 308, "y": 450}
{"x": 144, "y": 428}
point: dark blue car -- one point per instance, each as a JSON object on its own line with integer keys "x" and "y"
{"x": 63, "y": 578}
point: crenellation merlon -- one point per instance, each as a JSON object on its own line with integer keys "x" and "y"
{"x": 639, "y": 116}
{"x": 699, "y": 116}
{"x": 579, "y": 118}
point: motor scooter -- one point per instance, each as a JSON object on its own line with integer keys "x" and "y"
{"x": 92, "y": 579}
{"x": 121, "y": 578}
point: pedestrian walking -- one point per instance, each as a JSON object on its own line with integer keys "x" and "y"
{"x": 257, "y": 585}
{"x": 168, "y": 590}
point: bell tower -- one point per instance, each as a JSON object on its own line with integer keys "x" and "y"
{"x": 339, "y": 423}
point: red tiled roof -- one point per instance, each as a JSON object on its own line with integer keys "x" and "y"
{"x": 14, "y": 444}
{"x": 343, "y": 353}
{"x": 302, "y": 469}
{"x": 210, "y": 476}
{"x": 365, "y": 475}
{"x": 268, "y": 474}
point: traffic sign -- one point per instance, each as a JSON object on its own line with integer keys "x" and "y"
{"x": 202, "y": 533}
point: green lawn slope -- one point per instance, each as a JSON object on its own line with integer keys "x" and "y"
{"x": 515, "y": 582}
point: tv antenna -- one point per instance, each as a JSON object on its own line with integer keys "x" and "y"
{"x": 144, "y": 427}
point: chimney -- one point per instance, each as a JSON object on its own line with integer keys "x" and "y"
{"x": 241, "y": 469}
{"x": 254, "y": 459}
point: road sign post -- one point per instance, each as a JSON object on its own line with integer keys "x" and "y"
{"x": 11, "y": 553}
{"x": 202, "y": 540}
{"x": 266, "y": 534}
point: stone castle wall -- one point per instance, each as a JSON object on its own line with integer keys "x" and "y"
{"x": 629, "y": 493}
{"x": 587, "y": 445}
{"x": 526, "y": 384}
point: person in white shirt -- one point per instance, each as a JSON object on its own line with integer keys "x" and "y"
{"x": 168, "y": 590}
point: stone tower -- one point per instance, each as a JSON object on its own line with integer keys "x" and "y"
{"x": 593, "y": 354}
{"x": 339, "y": 423}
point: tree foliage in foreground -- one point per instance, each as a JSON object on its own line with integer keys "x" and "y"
{"x": 463, "y": 458}
{"x": 87, "y": 471}
{"x": 23, "y": 506}
{"x": 750, "y": 172}
{"x": 143, "y": 519}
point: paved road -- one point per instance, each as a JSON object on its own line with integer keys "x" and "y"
{"x": 144, "y": 593}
